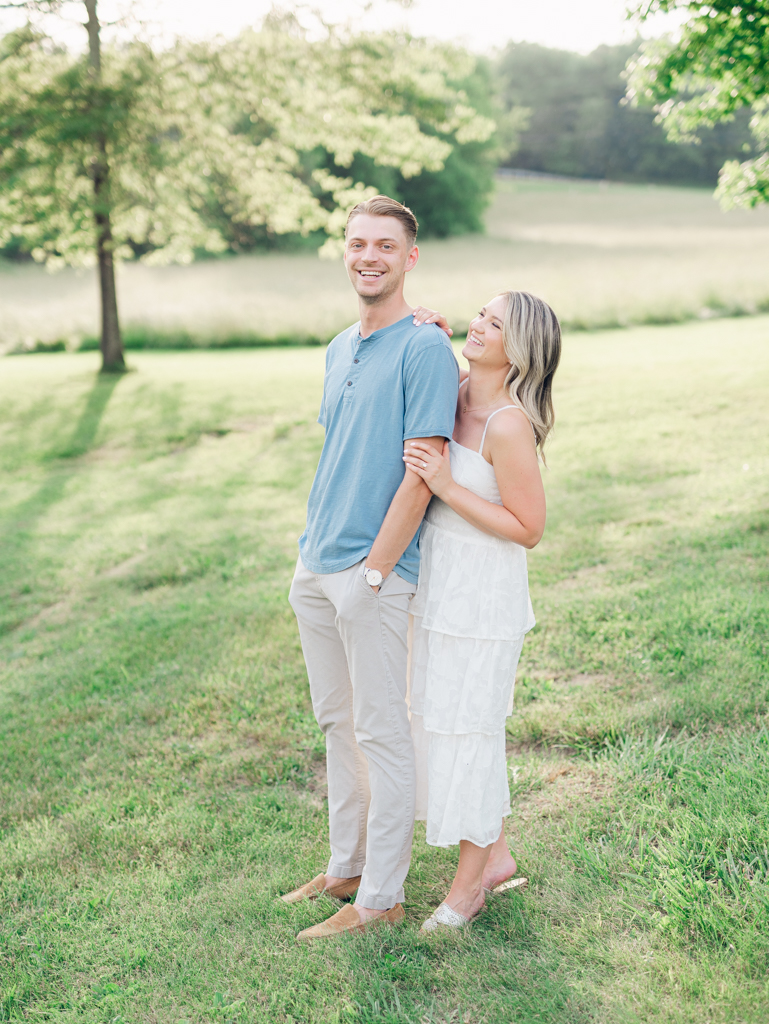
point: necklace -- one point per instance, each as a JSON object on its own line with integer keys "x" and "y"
{"x": 479, "y": 408}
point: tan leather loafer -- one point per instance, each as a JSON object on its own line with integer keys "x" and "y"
{"x": 344, "y": 890}
{"x": 347, "y": 920}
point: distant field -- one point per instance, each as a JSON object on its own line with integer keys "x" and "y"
{"x": 602, "y": 254}
{"x": 162, "y": 776}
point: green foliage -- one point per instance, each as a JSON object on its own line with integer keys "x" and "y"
{"x": 453, "y": 200}
{"x": 579, "y": 126}
{"x": 718, "y": 65}
{"x": 209, "y": 142}
{"x": 51, "y": 115}
{"x": 447, "y": 199}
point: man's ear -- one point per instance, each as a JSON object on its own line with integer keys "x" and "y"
{"x": 412, "y": 258}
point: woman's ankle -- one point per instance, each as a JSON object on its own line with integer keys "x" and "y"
{"x": 466, "y": 901}
{"x": 499, "y": 869}
{"x": 499, "y": 858}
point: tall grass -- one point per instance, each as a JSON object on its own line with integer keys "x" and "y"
{"x": 604, "y": 255}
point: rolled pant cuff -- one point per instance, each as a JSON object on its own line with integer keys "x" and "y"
{"x": 378, "y": 902}
{"x": 344, "y": 870}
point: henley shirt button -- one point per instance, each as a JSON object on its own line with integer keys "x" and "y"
{"x": 349, "y": 383}
{"x": 355, "y": 360}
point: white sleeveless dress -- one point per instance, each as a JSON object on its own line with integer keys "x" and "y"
{"x": 469, "y": 617}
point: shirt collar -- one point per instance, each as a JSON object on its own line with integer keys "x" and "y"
{"x": 384, "y": 331}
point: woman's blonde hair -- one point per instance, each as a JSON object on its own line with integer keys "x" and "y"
{"x": 532, "y": 338}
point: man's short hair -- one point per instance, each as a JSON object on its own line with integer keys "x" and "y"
{"x": 383, "y": 206}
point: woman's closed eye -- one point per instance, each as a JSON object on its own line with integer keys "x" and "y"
{"x": 494, "y": 323}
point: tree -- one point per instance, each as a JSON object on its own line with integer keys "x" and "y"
{"x": 449, "y": 200}
{"x": 373, "y": 111}
{"x": 91, "y": 103}
{"x": 719, "y": 64}
{"x": 579, "y": 126}
{"x": 128, "y": 152}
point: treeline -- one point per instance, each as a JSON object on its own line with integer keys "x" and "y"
{"x": 579, "y": 126}
{"x": 263, "y": 141}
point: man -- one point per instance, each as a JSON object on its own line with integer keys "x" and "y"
{"x": 388, "y": 381}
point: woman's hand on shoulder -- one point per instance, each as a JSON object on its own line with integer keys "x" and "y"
{"x": 433, "y": 466}
{"x": 423, "y": 315}
{"x": 511, "y": 446}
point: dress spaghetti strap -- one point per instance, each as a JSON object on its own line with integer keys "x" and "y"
{"x": 483, "y": 439}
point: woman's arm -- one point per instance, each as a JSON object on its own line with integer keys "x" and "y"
{"x": 402, "y": 521}
{"x": 511, "y": 446}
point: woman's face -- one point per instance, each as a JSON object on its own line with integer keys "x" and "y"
{"x": 484, "y": 343}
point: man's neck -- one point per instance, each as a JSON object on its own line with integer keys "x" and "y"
{"x": 373, "y": 317}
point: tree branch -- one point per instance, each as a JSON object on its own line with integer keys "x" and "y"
{"x": 34, "y": 5}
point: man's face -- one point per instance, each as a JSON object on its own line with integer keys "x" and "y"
{"x": 377, "y": 255}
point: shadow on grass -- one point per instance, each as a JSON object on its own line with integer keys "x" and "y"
{"x": 20, "y": 569}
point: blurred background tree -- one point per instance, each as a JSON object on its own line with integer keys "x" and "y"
{"x": 163, "y": 154}
{"x": 436, "y": 94}
{"x": 452, "y": 199}
{"x": 715, "y": 70}
{"x": 173, "y": 152}
{"x": 579, "y": 126}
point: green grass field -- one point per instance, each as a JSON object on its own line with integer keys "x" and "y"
{"x": 602, "y": 254}
{"x": 161, "y": 774}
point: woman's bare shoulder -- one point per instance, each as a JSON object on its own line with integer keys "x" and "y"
{"x": 463, "y": 374}
{"x": 510, "y": 423}
{"x": 510, "y": 429}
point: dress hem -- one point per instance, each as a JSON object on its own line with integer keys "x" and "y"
{"x": 469, "y": 839}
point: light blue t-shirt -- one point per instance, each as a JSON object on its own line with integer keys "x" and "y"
{"x": 400, "y": 382}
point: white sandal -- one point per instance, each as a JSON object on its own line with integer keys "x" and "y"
{"x": 511, "y": 883}
{"x": 445, "y": 917}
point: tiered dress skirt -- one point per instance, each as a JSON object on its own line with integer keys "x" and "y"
{"x": 469, "y": 618}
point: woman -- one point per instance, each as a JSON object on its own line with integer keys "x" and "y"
{"x": 472, "y": 608}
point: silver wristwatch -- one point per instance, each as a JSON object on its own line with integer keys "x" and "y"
{"x": 372, "y": 576}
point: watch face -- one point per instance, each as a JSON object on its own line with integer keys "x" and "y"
{"x": 373, "y": 577}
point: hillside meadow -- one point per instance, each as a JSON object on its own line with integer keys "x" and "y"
{"x": 161, "y": 773}
{"x": 603, "y": 254}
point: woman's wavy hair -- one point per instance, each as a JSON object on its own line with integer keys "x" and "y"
{"x": 532, "y": 338}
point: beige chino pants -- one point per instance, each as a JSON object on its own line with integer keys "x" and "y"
{"x": 354, "y": 644}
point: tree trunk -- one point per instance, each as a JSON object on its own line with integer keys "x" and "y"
{"x": 111, "y": 342}
{"x": 112, "y": 359}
